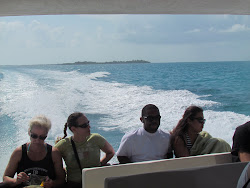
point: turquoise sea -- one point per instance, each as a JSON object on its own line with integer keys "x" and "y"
{"x": 112, "y": 97}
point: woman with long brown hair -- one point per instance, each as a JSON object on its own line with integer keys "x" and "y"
{"x": 187, "y": 138}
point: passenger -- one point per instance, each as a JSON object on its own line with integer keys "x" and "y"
{"x": 82, "y": 150}
{"x": 146, "y": 143}
{"x": 35, "y": 161}
{"x": 188, "y": 140}
{"x": 244, "y": 179}
{"x": 241, "y": 143}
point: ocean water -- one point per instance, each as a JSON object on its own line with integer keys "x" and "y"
{"x": 112, "y": 97}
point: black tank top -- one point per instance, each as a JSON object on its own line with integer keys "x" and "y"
{"x": 44, "y": 167}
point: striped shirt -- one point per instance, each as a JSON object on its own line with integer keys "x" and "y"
{"x": 189, "y": 144}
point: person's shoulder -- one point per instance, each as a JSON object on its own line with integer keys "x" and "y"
{"x": 55, "y": 151}
{"x": 96, "y": 136}
{"x": 243, "y": 126}
{"x": 247, "y": 124}
{"x": 56, "y": 155}
{"x": 178, "y": 139}
{"x": 133, "y": 133}
{"x": 17, "y": 153}
{"x": 63, "y": 141}
{"x": 163, "y": 133}
{"x": 18, "y": 150}
{"x": 205, "y": 134}
{"x": 241, "y": 130}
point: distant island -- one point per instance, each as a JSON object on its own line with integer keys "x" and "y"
{"x": 108, "y": 62}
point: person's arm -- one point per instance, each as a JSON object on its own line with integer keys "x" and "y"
{"x": 180, "y": 149}
{"x": 125, "y": 150}
{"x": 58, "y": 166}
{"x": 11, "y": 169}
{"x": 123, "y": 159}
{"x": 244, "y": 156}
{"x": 109, "y": 153}
{"x": 169, "y": 153}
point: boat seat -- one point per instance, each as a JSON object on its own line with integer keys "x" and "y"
{"x": 94, "y": 177}
{"x": 216, "y": 176}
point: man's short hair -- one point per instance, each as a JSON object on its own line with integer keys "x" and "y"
{"x": 148, "y": 106}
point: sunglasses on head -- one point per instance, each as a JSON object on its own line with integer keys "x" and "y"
{"x": 35, "y": 136}
{"x": 85, "y": 125}
{"x": 200, "y": 120}
{"x": 152, "y": 118}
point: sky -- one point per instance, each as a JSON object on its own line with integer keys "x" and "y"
{"x": 53, "y": 39}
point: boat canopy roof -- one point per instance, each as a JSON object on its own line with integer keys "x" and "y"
{"x": 54, "y": 7}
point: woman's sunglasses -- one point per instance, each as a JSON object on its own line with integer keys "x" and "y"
{"x": 35, "y": 136}
{"x": 200, "y": 120}
{"x": 85, "y": 125}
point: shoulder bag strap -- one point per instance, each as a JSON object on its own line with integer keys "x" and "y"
{"x": 76, "y": 155}
{"x": 245, "y": 186}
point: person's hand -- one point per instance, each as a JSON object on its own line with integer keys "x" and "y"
{"x": 22, "y": 177}
{"x": 48, "y": 183}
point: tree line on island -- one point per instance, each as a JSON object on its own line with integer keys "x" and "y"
{"x": 108, "y": 62}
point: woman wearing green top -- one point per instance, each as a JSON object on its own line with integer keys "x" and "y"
{"x": 87, "y": 148}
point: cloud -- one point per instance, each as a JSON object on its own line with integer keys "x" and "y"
{"x": 194, "y": 31}
{"x": 51, "y": 33}
{"x": 236, "y": 28}
{"x": 11, "y": 26}
{"x": 31, "y": 34}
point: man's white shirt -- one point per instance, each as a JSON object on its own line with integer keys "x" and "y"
{"x": 141, "y": 145}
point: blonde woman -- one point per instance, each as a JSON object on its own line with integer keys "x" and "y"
{"x": 36, "y": 159}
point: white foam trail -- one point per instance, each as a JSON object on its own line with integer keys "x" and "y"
{"x": 22, "y": 97}
{"x": 120, "y": 103}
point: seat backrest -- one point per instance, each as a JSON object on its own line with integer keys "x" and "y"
{"x": 94, "y": 177}
{"x": 217, "y": 176}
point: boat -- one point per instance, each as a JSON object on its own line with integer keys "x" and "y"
{"x": 109, "y": 176}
